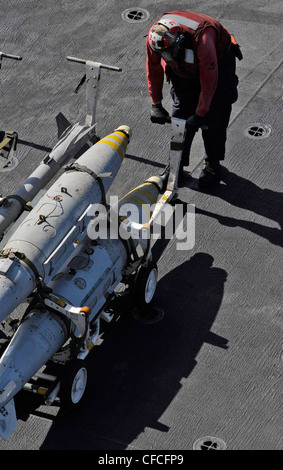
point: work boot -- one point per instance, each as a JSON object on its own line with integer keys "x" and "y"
{"x": 210, "y": 173}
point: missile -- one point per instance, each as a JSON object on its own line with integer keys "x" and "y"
{"x": 55, "y": 226}
{"x": 70, "y": 306}
{"x": 39, "y": 336}
{"x": 69, "y": 144}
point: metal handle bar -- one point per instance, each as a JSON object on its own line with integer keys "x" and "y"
{"x": 103, "y": 66}
{"x": 188, "y": 126}
{"x": 10, "y": 56}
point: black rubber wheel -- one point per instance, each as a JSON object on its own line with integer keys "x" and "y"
{"x": 73, "y": 384}
{"x": 145, "y": 285}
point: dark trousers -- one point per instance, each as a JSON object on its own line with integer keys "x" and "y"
{"x": 185, "y": 94}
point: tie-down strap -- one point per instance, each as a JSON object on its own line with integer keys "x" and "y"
{"x": 11, "y": 254}
{"x": 25, "y": 205}
{"x": 77, "y": 167}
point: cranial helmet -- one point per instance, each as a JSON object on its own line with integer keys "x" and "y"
{"x": 163, "y": 35}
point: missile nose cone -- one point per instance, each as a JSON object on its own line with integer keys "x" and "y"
{"x": 159, "y": 181}
{"x": 37, "y": 338}
{"x": 125, "y": 129}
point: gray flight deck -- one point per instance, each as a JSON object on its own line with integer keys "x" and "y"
{"x": 212, "y": 366}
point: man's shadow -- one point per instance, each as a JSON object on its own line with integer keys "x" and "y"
{"x": 138, "y": 369}
{"x": 194, "y": 290}
{"x": 244, "y": 194}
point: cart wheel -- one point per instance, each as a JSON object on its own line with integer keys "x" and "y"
{"x": 73, "y": 384}
{"x": 145, "y": 284}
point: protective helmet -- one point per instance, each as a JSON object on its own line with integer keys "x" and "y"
{"x": 163, "y": 35}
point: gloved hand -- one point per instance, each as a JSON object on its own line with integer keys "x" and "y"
{"x": 196, "y": 122}
{"x": 158, "y": 114}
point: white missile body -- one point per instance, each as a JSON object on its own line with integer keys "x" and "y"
{"x": 88, "y": 277}
{"x": 40, "y": 335}
{"x": 37, "y": 249}
{"x": 51, "y": 231}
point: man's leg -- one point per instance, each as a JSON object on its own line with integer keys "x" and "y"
{"x": 218, "y": 120}
{"x": 214, "y": 143}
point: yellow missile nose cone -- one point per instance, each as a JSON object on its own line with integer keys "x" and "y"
{"x": 126, "y": 129}
{"x": 157, "y": 180}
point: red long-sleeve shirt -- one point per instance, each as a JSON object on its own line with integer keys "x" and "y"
{"x": 205, "y": 68}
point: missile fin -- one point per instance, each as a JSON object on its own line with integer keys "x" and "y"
{"x": 8, "y": 419}
{"x": 62, "y": 124}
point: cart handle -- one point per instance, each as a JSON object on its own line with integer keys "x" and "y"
{"x": 10, "y": 56}
{"x": 188, "y": 126}
{"x": 103, "y": 66}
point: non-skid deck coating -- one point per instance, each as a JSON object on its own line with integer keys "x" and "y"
{"x": 212, "y": 366}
